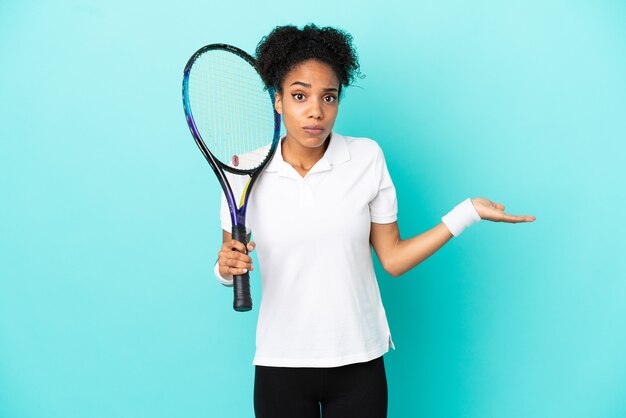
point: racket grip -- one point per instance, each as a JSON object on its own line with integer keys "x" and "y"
{"x": 242, "y": 299}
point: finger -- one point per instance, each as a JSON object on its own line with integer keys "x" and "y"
{"x": 251, "y": 246}
{"x": 237, "y": 271}
{"x": 239, "y": 267}
{"x": 230, "y": 267}
{"x": 517, "y": 218}
{"x": 243, "y": 258}
{"x": 236, "y": 245}
{"x": 239, "y": 256}
{"x": 237, "y": 264}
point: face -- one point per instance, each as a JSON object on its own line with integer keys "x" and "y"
{"x": 309, "y": 103}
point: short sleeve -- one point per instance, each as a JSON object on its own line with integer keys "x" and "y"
{"x": 384, "y": 205}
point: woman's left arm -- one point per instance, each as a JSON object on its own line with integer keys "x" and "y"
{"x": 398, "y": 256}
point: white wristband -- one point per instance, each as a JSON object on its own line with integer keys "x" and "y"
{"x": 463, "y": 215}
{"x": 219, "y": 277}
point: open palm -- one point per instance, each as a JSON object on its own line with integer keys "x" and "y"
{"x": 493, "y": 211}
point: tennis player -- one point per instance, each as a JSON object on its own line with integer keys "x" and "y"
{"x": 319, "y": 205}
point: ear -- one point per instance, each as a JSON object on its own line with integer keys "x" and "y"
{"x": 278, "y": 103}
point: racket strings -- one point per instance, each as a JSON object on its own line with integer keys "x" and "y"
{"x": 231, "y": 109}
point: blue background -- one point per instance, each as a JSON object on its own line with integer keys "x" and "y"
{"x": 109, "y": 222}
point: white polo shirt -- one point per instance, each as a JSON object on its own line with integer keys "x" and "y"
{"x": 320, "y": 305}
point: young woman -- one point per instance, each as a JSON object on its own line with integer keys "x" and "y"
{"x": 320, "y": 204}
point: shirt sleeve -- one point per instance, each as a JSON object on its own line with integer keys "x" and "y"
{"x": 384, "y": 205}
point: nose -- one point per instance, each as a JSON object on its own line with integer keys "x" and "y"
{"x": 315, "y": 111}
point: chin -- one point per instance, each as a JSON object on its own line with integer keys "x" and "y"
{"x": 314, "y": 141}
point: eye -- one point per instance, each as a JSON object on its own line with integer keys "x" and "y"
{"x": 330, "y": 99}
{"x": 298, "y": 96}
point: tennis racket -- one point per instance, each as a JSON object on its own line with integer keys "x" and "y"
{"x": 231, "y": 116}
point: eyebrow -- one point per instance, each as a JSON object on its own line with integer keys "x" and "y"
{"x": 307, "y": 85}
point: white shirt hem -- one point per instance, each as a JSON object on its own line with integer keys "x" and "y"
{"x": 383, "y": 219}
{"x": 323, "y": 362}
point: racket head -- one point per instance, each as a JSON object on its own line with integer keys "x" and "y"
{"x": 227, "y": 109}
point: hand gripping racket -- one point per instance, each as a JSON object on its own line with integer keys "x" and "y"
{"x": 231, "y": 116}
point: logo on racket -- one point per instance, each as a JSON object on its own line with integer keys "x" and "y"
{"x": 235, "y": 160}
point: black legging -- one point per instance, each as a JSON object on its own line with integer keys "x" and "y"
{"x": 354, "y": 391}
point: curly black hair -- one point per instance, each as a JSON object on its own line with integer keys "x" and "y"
{"x": 287, "y": 46}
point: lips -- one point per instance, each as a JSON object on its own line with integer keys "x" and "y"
{"x": 313, "y": 129}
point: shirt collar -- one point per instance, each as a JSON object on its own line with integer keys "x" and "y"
{"x": 336, "y": 153}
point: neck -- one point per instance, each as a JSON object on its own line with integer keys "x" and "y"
{"x": 302, "y": 157}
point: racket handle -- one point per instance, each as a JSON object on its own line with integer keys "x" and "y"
{"x": 243, "y": 300}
